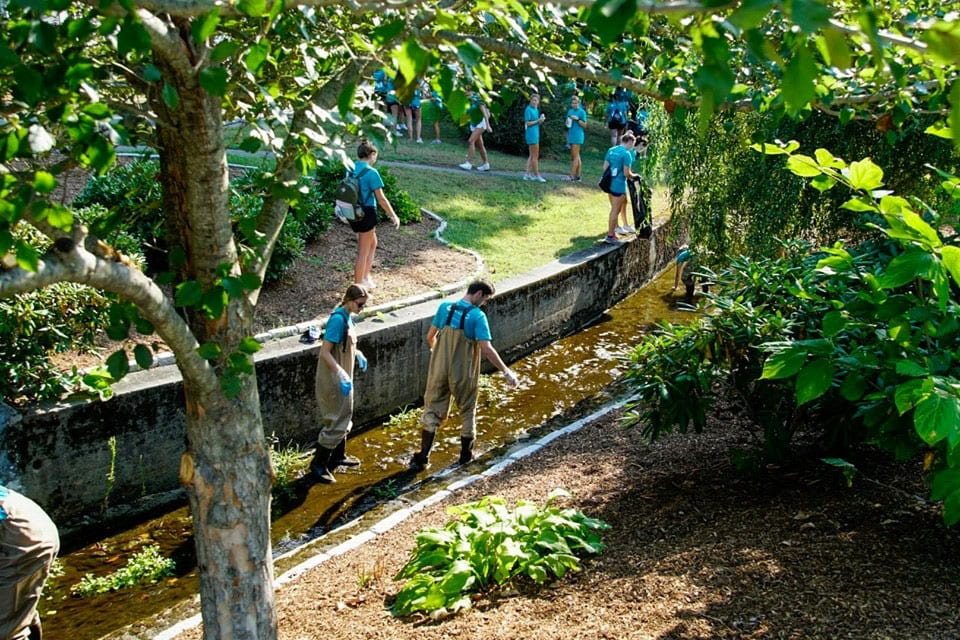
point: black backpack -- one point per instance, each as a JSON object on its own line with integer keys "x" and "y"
{"x": 616, "y": 119}
{"x": 348, "y": 195}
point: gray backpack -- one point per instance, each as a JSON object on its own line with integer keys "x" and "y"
{"x": 348, "y": 196}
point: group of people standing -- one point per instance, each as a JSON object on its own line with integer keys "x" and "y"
{"x": 458, "y": 336}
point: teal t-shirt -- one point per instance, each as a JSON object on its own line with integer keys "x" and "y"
{"x": 532, "y": 134}
{"x": 3, "y": 494}
{"x": 337, "y": 326}
{"x": 618, "y": 157}
{"x": 575, "y": 134}
{"x": 475, "y": 326}
{"x": 369, "y": 182}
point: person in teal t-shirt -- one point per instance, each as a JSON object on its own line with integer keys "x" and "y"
{"x": 576, "y": 121}
{"x": 479, "y": 124}
{"x": 371, "y": 194}
{"x": 618, "y": 161}
{"x": 414, "y": 116}
{"x": 532, "y": 118}
{"x": 432, "y": 109}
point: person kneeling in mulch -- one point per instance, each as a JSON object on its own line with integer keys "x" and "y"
{"x": 334, "y": 386}
{"x": 457, "y": 336}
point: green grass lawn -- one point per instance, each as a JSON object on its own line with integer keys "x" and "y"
{"x": 515, "y": 225}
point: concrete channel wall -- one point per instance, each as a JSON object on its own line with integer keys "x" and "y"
{"x": 89, "y": 460}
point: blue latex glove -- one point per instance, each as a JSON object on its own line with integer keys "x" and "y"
{"x": 346, "y": 385}
{"x": 361, "y": 360}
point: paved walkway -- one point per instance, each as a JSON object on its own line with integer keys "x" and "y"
{"x": 551, "y": 177}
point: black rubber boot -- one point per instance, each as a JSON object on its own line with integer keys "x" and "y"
{"x": 420, "y": 459}
{"x": 320, "y": 465}
{"x": 339, "y": 457}
{"x": 466, "y": 450}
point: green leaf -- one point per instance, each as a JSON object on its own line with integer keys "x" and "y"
{"x": 943, "y": 483}
{"x": 951, "y": 260}
{"x": 411, "y": 59}
{"x": 937, "y": 416}
{"x": 252, "y": 8}
{"x": 911, "y": 369}
{"x": 188, "y": 294}
{"x": 849, "y": 471}
{"x": 214, "y": 81}
{"x": 224, "y": 50}
{"x": 814, "y": 380}
{"x": 170, "y": 96}
{"x": 859, "y": 205}
{"x": 209, "y": 351}
{"x": 214, "y": 301}
{"x": 232, "y": 286}
{"x": 853, "y": 387}
{"x": 240, "y": 363}
{"x": 837, "y": 49}
{"x": 151, "y": 74}
{"x": 44, "y": 182}
{"x": 751, "y": 13}
{"x": 27, "y": 257}
{"x": 230, "y": 385}
{"x": 204, "y": 26}
{"x": 143, "y": 356}
{"x": 810, "y": 15}
{"x": 798, "y": 87}
{"x": 132, "y": 37}
{"x": 803, "y": 166}
{"x": 608, "y": 18}
{"x": 345, "y": 99}
{"x": 386, "y": 32}
{"x": 783, "y": 364}
{"x": 117, "y": 364}
{"x": 59, "y": 216}
{"x": 905, "y": 396}
{"x": 457, "y": 104}
{"x": 250, "y": 281}
{"x": 905, "y": 267}
{"x": 256, "y": 56}
{"x": 768, "y": 149}
{"x": 249, "y": 346}
{"x": 470, "y": 53}
{"x": 865, "y": 175}
{"x": 833, "y": 323}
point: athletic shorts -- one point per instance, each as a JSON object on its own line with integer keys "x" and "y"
{"x": 367, "y": 223}
{"x": 480, "y": 125}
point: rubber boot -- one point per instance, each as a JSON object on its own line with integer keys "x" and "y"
{"x": 466, "y": 450}
{"x": 420, "y": 459}
{"x": 320, "y": 465}
{"x": 339, "y": 457}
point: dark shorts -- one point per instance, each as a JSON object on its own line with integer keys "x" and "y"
{"x": 367, "y": 223}
{"x": 616, "y": 195}
{"x": 616, "y": 127}
{"x": 413, "y": 108}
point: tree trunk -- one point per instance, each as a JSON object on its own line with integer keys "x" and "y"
{"x": 226, "y": 468}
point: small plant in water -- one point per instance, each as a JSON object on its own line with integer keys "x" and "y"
{"x": 406, "y": 416}
{"x": 289, "y": 463}
{"x": 147, "y": 565}
{"x": 489, "y": 545}
{"x": 388, "y": 490}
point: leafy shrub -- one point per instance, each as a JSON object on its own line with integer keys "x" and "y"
{"x": 147, "y": 565}
{"x": 487, "y": 545}
{"x": 33, "y": 325}
{"x": 865, "y": 340}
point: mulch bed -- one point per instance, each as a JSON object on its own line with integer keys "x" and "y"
{"x": 697, "y": 549}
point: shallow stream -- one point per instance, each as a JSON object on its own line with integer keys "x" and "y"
{"x": 553, "y": 381}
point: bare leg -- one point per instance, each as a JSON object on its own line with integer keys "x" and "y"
{"x": 366, "y": 246}
{"x": 410, "y": 121}
{"x": 615, "y": 202}
{"x": 576, "y": 165}
{"x": 623, "y": 211}
{"x": 480, "y": 147}
{"x": 418, "y": 123}
{"x": 436, "y": 129}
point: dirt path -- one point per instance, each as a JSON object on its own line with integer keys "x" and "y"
{"x": 697, "y": 550}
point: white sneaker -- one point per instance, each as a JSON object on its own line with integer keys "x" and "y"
{"x": 369, "y": 284}
{"x": 466, "y": 166}
{"x": 538, "y": 178}
{"x": 419, "y": 140}
{"x": 437, "y": 141}
{"x": 484, "y": 167}
{"x": 629, "y": 228}
{"x": 527, "y": 176}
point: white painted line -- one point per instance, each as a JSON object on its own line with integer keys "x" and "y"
{"x": 526, "y": 451}
{"x": 391, "y": 521}
{"x": 351, "y": 544}
{"x": 180, "y": 627}
{"x": 429, "y": 502}
{"x": 300, "y": 569}
{"x": 465, "y": 482}
{"x": 497, "y": 468}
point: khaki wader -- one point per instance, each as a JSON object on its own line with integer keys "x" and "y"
{"x": 334, "y": 411}
{"x": 28, "y": 545}
{"x": 454, "y": 370}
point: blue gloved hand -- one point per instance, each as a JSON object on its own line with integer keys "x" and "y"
{"x": 361, "y": 360}
{"x": 346, "y": 385}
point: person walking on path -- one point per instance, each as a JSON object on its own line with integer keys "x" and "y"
{"x": 532, "y": 119}
{"x": 432, "y": 110}
{"x": 333, "y": 386}
{"x": 479, "y": 124}
{"x": 458, "y": 335}
{"x": 29, "y": 543}
{"x": 371, "y": 193}
{"x": 617, "y": 116}
{"x": 576, "y": 133}
{"x": 414, "y": 122}
{"x": 618, "y": 161}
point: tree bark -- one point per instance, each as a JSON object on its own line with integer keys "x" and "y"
{"x": 226, "y": 467}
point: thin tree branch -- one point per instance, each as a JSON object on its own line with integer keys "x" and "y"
{"x": 68, "y": 261}
{"x": 885, "y": 36}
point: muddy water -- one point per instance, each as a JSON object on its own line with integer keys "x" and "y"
{"x": 553, "y": 380}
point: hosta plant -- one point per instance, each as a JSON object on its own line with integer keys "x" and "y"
{"x": 488, "y": 545}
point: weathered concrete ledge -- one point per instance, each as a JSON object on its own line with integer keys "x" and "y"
{"x": 78, "y": 459}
